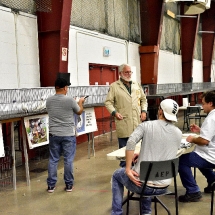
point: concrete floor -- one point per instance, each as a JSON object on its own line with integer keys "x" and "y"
{"x": 92, "y": 189}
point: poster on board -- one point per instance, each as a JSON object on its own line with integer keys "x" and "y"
{"x": 86, "y": 122}
{"x": 2, "y": 154}
{"x": 37, "y": 130}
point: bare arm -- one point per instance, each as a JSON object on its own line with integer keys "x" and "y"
{"x": 143, "y": 116}
{"x": 197, "y": 140}
{"x": 80, "y": 104}
{"x": 194, "y": 128}
{"x": 133, "y": 176}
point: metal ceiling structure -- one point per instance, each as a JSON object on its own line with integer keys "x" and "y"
{"x": 152, "y": 12}
{"x": 54, "y": 35}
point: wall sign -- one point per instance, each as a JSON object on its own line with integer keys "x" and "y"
{"x": 64, "y": 54}
{"x": 106, "y": 51}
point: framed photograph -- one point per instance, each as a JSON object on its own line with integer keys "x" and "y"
{"x": 37, "y": 130}
{"x": 2, "y": 154}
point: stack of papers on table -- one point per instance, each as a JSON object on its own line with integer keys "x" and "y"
{"x": 185, "y": 144}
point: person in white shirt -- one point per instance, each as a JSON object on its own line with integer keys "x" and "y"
{"x": 203, "y": 156}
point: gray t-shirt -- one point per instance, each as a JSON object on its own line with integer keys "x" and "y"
{"x": 160, "y": 141}
{"x": 61, "y": 109}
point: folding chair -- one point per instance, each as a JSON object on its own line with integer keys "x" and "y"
{"x": 192, "y": 112}
{"x": 212, "y": 197}
{"x": 156, "y": 170}
{"x": 212, "y": 193}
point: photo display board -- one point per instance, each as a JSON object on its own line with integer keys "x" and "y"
{"x": 37, "y": 130}
{"x": 86, "y": 122}
{"x": 2, "y": 154}
{"x": 37, "y": 127}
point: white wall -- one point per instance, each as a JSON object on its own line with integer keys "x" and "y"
{"x": 197, "y": 71}
{"x": 27, "y": 51}
{"x": 213, "y": 72}
{"x": 8, "y": 60}
{"x": 134, "y": 59}
{"x": 87, "y": 47}
{"x": 19, "y": 55}
{"x": 19, "y": 58}
{"x": 169, "y": 68}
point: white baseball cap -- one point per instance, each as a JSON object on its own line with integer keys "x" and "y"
{"x": 170, "y": 109}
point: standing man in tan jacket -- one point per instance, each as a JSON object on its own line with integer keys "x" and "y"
{"x": 127, "y": 102}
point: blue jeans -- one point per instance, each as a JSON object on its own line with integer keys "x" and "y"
{"x": 119, "y": 180}
{"x": 122, "y": 142}
{"x": 186, "y": 161}
{"x": 57, "y": 146}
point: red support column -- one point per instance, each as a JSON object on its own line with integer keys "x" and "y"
{"x": 208, "y": 25}
{"x": 53, "y": 28}
{"x": 151, "y": 14}
{"x": 189, "y": 28}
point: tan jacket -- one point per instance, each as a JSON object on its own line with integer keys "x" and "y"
{"x": 129, "y": 106}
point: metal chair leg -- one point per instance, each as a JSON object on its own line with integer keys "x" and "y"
{"x": 212, "y": 199}
{"x": 194, "y": 172}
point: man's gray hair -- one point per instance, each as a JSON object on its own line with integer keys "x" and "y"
{"x": 121, "y": 67}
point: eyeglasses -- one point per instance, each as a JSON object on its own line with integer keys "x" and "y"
{"x": 128, "y": 72}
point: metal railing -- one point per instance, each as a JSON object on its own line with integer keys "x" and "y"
{"x": 178, "y": 88}
{"x": 23, "y": 102}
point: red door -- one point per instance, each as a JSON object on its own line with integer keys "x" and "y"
{"x": 102, "y": 75}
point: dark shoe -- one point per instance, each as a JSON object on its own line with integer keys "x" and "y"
{"x": 51, "y": 189}
{"x": 68, "y": 188}
{"x": 208, "y": 189}
{"x": 190, "y": 197}
{"x": 122, "y": 164}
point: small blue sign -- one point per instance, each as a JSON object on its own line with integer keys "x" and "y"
{"x": 106, "y": 51}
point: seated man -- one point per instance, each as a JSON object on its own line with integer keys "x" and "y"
{"x": 203, "y": 156}
{"x": 160, "y": 141}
